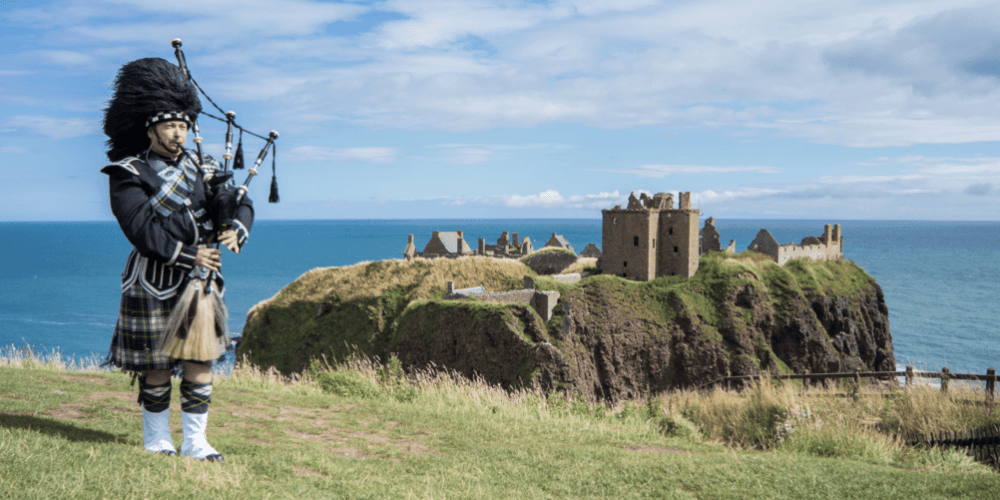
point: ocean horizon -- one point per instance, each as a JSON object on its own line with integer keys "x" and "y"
{"x": 60, "y": 281}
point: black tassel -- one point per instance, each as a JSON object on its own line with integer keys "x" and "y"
{"x": 273, "y": 198}
{"x": 238, "y": 159}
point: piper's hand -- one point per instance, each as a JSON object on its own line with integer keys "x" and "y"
{"x": 229, "y": 239}
{"x": 209, "y": 258}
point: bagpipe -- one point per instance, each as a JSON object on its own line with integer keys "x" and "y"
{"x": 197, "y": 328}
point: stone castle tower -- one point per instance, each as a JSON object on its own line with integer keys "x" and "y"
{"x": 650, "y": 238}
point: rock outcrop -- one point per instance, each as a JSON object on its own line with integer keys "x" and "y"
{"x": 610, "y": 339}
{"x": 550, "y": 261}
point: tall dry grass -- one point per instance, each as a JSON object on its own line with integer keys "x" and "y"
{"x": 27, "y": 357}
{"x": 779, "y": 415}
{"x": 581, "y": 264}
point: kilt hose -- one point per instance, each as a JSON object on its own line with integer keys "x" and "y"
{"x": 142, "y": 321}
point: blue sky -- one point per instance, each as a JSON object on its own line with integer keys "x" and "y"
{"x": 507, "y": 109}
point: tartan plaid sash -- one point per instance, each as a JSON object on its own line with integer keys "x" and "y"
{"x": 174, "y": 194}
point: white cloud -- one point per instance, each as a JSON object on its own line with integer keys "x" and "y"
{"x": 660, "y": 171}
{"x": 320, "y": 153}
{"x": 941, "y": 166}
{"x": 890, "y": 73}
{"x": 61, "y": 57}
{"x": 553, "y": 199}
{"x": 47, "y": 126}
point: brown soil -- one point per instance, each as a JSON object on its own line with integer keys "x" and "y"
{"x": 74, "y": 411}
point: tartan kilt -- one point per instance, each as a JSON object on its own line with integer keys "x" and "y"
{"x": 142, "y": 321}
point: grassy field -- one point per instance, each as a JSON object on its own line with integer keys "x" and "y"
{"x": 364, "y": 430}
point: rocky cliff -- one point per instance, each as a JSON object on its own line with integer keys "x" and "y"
{"x": 609, "y": 339}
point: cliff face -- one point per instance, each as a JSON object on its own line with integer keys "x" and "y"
{"x": 609, "y": 339}
{"x": 613, "y": 349}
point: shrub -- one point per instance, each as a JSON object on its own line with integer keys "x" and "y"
{"x": 347, "y": 383}
{"x": 680, "y": 427}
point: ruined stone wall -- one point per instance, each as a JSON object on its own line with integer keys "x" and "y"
{"x": 829, "y": 246}
{"x": 514, "y": 297}
{"x": 765, "y": 243}
{"x": 710, "y": 237}
{"x": 542, "y": 302}
{"x": 568, "y": 279}
{"x": 792, "y": 251}
{"x": 628, "y": 239}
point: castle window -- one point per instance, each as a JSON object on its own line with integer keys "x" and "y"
{"x": 635, "y": 240}
{"x": 654, "y": 242}
{"x": 675, "y": 249}
{"x": 670, "y": 231}
{"x": 625, "y": 264}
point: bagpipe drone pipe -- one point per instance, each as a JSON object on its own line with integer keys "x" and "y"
{"x": 197, "y": 328}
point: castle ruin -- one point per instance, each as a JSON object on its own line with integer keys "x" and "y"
{"x": 629, "y": 238}
{"x": 451, "y": 244}
{"x": 829, "y": 246}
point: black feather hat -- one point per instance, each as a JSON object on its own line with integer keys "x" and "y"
{"x": 145, "y": 88}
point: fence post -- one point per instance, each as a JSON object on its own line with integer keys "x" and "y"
{"x": 909, "y": 376}
{"x": 728, "y": 374}
{"x": 945, "y": 372}
{"x": 991, "y": 384}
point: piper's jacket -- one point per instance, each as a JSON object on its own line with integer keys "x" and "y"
{"x": 163, "y": 208}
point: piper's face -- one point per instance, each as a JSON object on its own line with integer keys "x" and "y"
{"x": 172, "y": 134}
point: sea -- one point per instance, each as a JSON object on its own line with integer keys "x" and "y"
{"x": 60, "y": 281}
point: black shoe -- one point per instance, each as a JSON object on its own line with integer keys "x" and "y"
{"x": 213, "y": 458}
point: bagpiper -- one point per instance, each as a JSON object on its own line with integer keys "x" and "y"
{"x": 172, "y": 290}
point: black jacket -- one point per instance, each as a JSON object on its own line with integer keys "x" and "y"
{"x": 164, "y": 209}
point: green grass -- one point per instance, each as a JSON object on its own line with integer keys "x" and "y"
{"x": 363, "y": 430}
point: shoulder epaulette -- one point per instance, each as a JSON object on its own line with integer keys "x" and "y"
{"x": 125, "y": 163}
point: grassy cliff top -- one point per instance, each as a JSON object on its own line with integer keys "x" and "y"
{"x": 423, "y": 279}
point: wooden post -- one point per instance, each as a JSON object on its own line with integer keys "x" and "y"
{"x": 945, "y": 372}
{"x": 857, "y": 384}
{"x": 991, "y": 385}
{"x": 909, "y": 376}
{"x": 728, "y": 374}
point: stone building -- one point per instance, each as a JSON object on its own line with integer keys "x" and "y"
{"x": 558, "y": 241}
{"x": 650, "y": 238}
{"x": 829, "y": 246}
{"x": 454, "y": 244}
{"x": 591, "y": 251}
{"x": 445, "y": 244}
{"x": 506, "y": 246}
